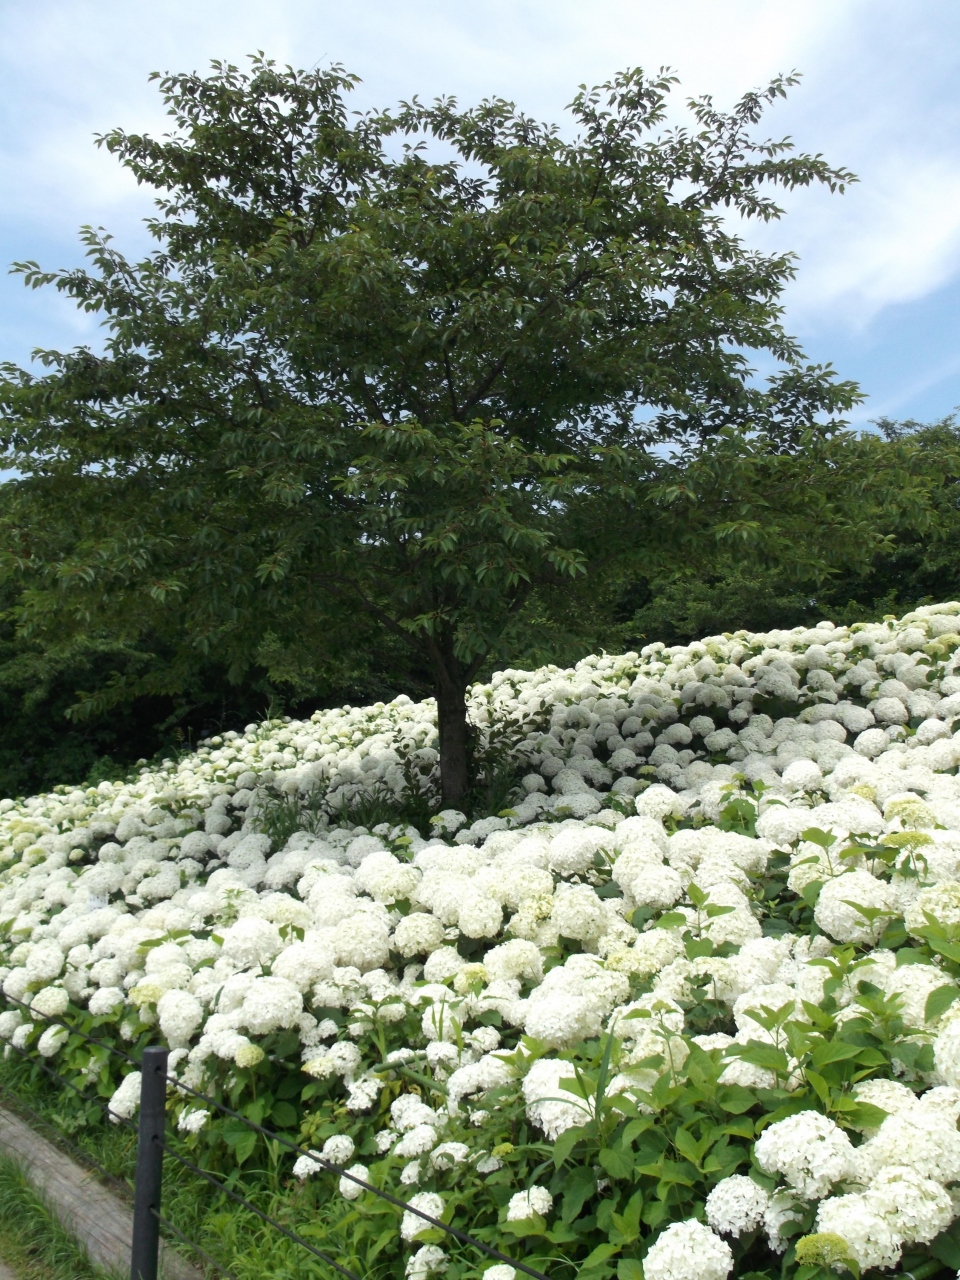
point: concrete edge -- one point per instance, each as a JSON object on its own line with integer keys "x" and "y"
{"x": 96, "y": 1217}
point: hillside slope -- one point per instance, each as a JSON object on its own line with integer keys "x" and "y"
{"x": 687, "y": 997}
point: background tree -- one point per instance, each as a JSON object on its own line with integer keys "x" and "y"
{"x": 917, "y": 563}
{"x": 404, "y": 372}
{"x": 82, "y": 709}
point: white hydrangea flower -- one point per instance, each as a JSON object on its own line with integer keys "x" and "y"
{"x": 429, "y": 1260}
{"x": 917, "y": 1208}
{"x": 476, "y": 1077}
{"x": 419, "y": 933}
{"x": 578, "y": 913}
{"x": 449, "y": 1154}
{"x": 251, "y": 941}
{"x": 352, "y": 1190}
{"x": 889, "y": 1095}
{"x": 523, "y": 1205}
{"x": 338, "y": 1149}
{"x": 412, "y": 1225}
{"x": 193, "y": 1119}
{"x": 480, "y": 916}
{"x": 416, "y": 1141}
{"x": 125, "y": 1101}
{"x": 306, "y": 1166}
{"x": 408, "y": 1111}
{"x": 10, "y": 1019}
{"x": 836, "y": 911}
{"x": 45, "y": 961}
{"x": 52, "y": 1041}
{"x": 50, "y": 1002}
{"x": 937, "y": 902}
{"x": 180, "y": 1014}
{"x": 869, "y": 1235}
{"x": 735, "y": 1205}
{"x": 809, "y": 1150}
{"x": 688, "y": 1251}
{"x": 916, "y": 1138}
{"x": 552, "y": 1108}
{"x": 362, "y": 1094}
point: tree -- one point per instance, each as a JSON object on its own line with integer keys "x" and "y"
{"x": 917, "y": 563}
{"x": 405, "y": 370}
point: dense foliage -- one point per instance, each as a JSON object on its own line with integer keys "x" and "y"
{"x": 88, "y": 709}
{"x": 685, "y": 1006}
{"x": 410, "y": 372}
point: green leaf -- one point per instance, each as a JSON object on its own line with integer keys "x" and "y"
{"x": 600, "y": 1254}
{"x": 628, "y": 1223}
{"x": 243, "y": 1147}
{"x": 636, "y": 1127}
{"x": 670, "y": 920}
{"x": 579, "y": 1185}
{"x": 680, "y": 1172}
{"x": 939, "y": 1001}
{"x": 894, "y": 935}
{"x": 565, "y": 1144}
{"x": 532, "y": 1226}
{"x": 943, "y": 946}
{"x": 617, "y": 1163}
{"x": 696, "y": 895}
{"x": 742, "y": 1128}
{"x": 788, "y": 1108}
{"x": 664, "y": 1093}
{"x": 629, "y": 1269}
{"x": 284, "y": 1115}
{"x": 697, "y": 947}
{"x": 688, "y": 1146}
{"x": 834, "y": 1051}
{"x": 764, "y": 1055}
{"x": 820, "y": 1086}
{"x": 559, "y": 1233}
{"x": 866, "y": 1116}
{"x": 946, "y": 1246}
{"x": 811, "y": 892}
{"x": 735, "y": 1098}
{"x": 815, "y": 836}
{"x": 871, "y": 1058}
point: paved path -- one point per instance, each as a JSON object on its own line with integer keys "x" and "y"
{"x": 98, "y": 1219}
{"x": 6, "y": 1273}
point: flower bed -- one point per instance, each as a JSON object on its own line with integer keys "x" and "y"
{"x": 687, "y": 1006}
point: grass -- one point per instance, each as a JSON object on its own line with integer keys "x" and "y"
{"x": 32, "y": 1241}
{"x": 241, "y": 1242}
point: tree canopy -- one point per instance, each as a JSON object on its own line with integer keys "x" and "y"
{"x": 396, "y": 373}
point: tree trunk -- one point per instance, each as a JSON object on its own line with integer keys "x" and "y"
{"x": 452, "y": 724}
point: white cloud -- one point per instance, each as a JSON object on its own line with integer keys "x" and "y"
{"x": 897, "y": 239}
{"x": 879, "y": 95}
{"x": 73, "y": 67}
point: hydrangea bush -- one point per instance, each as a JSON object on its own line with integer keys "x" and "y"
{"x": 687, "y": 1008}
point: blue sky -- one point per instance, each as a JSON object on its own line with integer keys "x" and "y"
{"x": 878, "y": 290}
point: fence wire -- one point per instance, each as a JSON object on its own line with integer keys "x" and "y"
{"x": 252, "y": 1208}
{"x": 461, "y": 1236}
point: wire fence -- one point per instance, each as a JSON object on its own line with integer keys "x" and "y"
{"x": 153, "y": 1146}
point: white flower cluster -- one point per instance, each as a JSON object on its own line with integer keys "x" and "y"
{"x": 161, "y": 903}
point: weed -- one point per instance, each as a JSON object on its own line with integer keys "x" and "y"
{"x": 32, "y": 1241}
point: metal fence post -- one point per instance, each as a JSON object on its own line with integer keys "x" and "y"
{"x": 144, "y": 1254}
